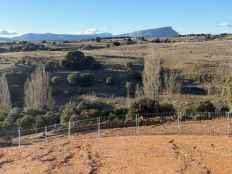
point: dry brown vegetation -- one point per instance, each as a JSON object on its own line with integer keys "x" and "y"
{"x": 37, "y": 89}
{"x": 190, "y": 58}
{"x": 5, "y": 99}
{"x": 151, "y": 76}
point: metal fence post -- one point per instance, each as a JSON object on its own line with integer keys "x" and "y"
{"x": 69, "y": 128}
{"x": 179, "y": 122}
{"x": 19, "y": 137}
{"x": 98, "y": 126}
{"x": 45, "y": 134}
{"x": 137, "y": 124}
{"x": 228, "y": 124}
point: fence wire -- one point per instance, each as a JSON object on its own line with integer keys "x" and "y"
{"x": 207, "y": 123}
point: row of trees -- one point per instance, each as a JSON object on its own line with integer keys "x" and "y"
{"x": 5, "y": 99}
{"x": 37, "y": 93}
{"x": 156, "y": 77}
{"x": 37, "y": 89}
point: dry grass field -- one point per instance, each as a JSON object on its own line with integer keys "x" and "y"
{"x": 186, "y": 56}
{"x": 189, "y": 57}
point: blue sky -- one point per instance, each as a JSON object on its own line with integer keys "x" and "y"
{"x": 116, "y": 16}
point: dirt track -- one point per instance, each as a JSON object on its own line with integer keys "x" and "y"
{"x": 114, "y": 155}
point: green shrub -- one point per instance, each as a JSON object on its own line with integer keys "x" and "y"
{"x": 73, "y": 60}
{"x": 72, "y": 78}
{"x": 224, "y": 109}
{"x": 67, "y": 112}
{"x": 206, "y": 106}
{"x": 2, "y": 116}
{"x": 51, "y": 118}
{"x": 91, "y": 63}
{"x": 191, "y": 109}
{"x": 39, "y": 121}
{"x": 167, "y": 108}
{"x": 117, "y": 44}
{"x": 52, "y": 66}
{"x": 27, "y": 121}
{"x": 109, "y": 81}
{"x": 91, "y": 104}
{"x": 77, "y": 60}
{"x": 129, "y": 66}
{"x": 56, "y": 80}
{"x": 157, "y": 40}
{"x": 130, "y": 41}
{"x": 120, "y": 113}
{"x": 10, "y": 120}
{"x": 35, "y": 112}
{"x": 143, "y": 106}
{"x": 87, "y": 79}
{"x": 90, "y": 113}
{"x": 83, "y": 109}
{"x": 98, "y": 39}
{"x": 15, "y": 110}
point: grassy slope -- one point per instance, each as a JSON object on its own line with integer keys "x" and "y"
{"x": 190, "y": 57}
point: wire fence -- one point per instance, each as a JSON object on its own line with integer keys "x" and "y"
{"x": 205, "y": 123}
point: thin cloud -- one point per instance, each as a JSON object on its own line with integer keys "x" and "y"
{"x": 226, "y": 25}
{"x": 5, "y": 32}
{"x": 90, "y": 31}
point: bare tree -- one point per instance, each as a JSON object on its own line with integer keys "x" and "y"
{"x": 222, "y": 73}
{"x": 5, "y": 99}
{"x": 224, "y": 79}
{"x": 151, "y": 76}
{"x": 37, "y": 88}
{"x": 171, "y": 80}
{"x": 228, "y": 91}
{"x": 138, "y": 91}
{"x": 128, "y": 94}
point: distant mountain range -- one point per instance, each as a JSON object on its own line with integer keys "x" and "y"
{"x": 165, "y": 32}
{"x": 4, "y": 39}
{"x": 58, "y": 37}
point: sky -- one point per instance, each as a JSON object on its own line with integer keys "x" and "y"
{"x": 115, "y": 16}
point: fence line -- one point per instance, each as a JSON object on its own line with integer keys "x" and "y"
{"x": 98, "y": 126}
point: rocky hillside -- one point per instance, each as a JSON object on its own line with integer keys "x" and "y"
{"x": 164, "y": 32}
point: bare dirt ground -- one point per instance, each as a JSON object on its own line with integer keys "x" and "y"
{"x": 150, "y": 154}
{"x": 135, "y": 155}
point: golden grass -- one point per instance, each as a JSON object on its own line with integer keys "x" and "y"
{"x": 190, "y": 57}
